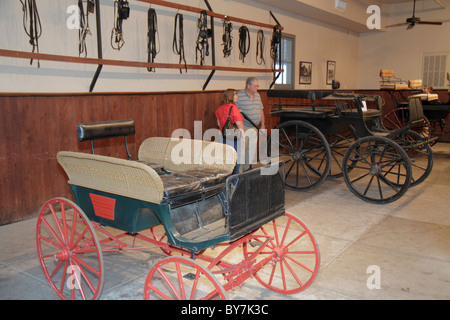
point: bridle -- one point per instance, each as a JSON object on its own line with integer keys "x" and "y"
{"x": 178, "y": 42}
{"x": 202, "y": 48}
{"x": 260, "y": 42}
{"x": 274, "y": 44}
{"x": 152, "y": 21}
{"x": 244, "y": 42}
{"x": 121, "y": 12}
{"x": 227, "y": 38}
{"x": 30, "y": 12}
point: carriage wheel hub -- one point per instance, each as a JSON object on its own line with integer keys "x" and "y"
{"x": 296, "y": 156}
{"x": 65, "y": 254}
{"x": 375, "y": 170}
{"x": 279, "y": 252}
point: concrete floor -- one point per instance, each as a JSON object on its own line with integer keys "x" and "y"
{"x": 408, "y": 241}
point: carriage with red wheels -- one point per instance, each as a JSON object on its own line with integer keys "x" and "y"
{"x": 216, "y": 229}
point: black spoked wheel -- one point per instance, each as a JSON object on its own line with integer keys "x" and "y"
{"x": 306, "y": 153}
{"x": 377, "y": 169}
{"x": 339, "y": 143}
{"x": 419, "y": 153}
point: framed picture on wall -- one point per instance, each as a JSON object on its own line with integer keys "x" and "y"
{"x": 331, "y": 71}
{"x": 305, "y": 72}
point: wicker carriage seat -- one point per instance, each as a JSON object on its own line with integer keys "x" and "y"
{"x": 156, "y": 177}
{"x": 196, "y": 176}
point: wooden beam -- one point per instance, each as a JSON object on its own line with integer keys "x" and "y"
{"x": 123, "y": 63}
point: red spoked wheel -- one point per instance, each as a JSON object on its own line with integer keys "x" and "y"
{"x": 295, "y": 261}
{"x": 398, "y": 118}
{"x": 158, "y": 233}
{"x": 181, "y": 278}
{"x": 69, "y": 251}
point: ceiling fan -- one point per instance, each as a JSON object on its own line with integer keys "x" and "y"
{"x": 412, "y": 21}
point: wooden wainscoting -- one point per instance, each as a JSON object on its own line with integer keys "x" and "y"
{"x": 34, "y": 127}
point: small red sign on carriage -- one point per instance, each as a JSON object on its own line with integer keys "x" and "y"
{"x": 103, "y": 206}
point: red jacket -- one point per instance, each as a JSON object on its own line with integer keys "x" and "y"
{"x": 222, "y": 114}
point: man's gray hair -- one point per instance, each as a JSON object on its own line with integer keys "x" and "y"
{"x": 250, "y": 81}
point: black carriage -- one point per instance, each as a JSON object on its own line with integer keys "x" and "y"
{"x": 341, "y": 134}
{"x": 435, "y": 113}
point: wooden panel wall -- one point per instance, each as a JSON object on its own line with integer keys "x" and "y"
{"x": 33, "y": 128}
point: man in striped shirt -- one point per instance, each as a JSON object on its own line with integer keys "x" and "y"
{"x": 249, "y": 102}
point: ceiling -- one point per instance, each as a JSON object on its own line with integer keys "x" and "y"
{"x": 319, "y": 12}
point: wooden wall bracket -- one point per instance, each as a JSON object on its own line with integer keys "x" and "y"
{"x": 99, "y": 45}
{"x": 123, "y": 63}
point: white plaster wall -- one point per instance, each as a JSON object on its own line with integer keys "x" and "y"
{"x": 315, "y": 42}
{"x": 400, "y": 49}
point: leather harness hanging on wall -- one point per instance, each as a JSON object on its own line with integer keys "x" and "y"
{"x": 151, "y": 36}
{"x": 275, "y": 44}
{"x": 227, "y": 38}
{"x": 202, "y": 39}
{"x": 33, "y": 27}
{"x": 84, "y": 29}
{"x": 178, "y": 43}
{"x": 121, "y": 12}
{"x": 260, "y": 42}
{"x": 244, "y": 42}
{"x": 275, "y": 49}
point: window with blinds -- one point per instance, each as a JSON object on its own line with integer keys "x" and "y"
{"x": 434, "y": 70}
{"x": 286, "y": 79}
